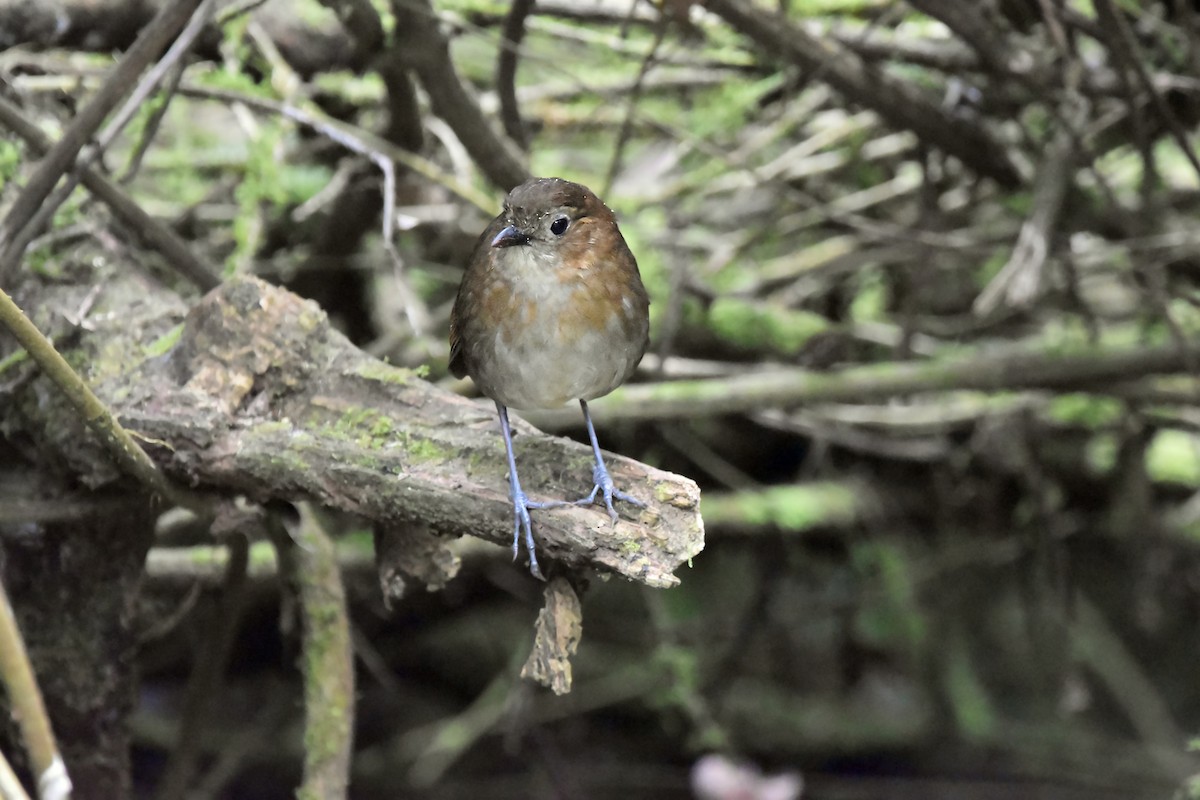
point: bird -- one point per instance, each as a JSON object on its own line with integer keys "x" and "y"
{"x": 551, "y": 309}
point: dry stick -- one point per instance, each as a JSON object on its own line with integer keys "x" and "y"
{"x": 856, "y": 221}
{"x": 153, "y": 124}
{"x": 353, "y": 138}
{"x": 11, "y": 257}
{"x": 1141, "y": 135}
{"x": 1125, "y": 48}
{"x": 236, "y": 9}
{"x": 506, "y": 71}
{"x": 130, "y": 457}
{"x": 310, "y": 560}
{"x": 1055, "y": 26}
{"x": 937, "y": 54}
{"x": 635, "y": 94}
{"x": 362, "y": 22}
{"x": 366, "y": 30}
{"x": 58, "y": 161}
{"x": 1020, "y": 282}
{"x": 10, "y": 784}
{"x": 897, "y": 102}
{"x": 415, "y": 310}
{"x": 1187, "y": 17}
{"x": 28, "y": 707}
{"x": 151, "y": 80}
{"x": 204, "y": 685}
{"x": 1090, "y": 368}
{"x": 155, "y": 235}
{"x": 424, "y": 49}
{"x": 971, "y": 26}
{"x": 434, "y": 748}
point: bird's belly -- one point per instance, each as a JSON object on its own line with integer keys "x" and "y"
{"x": 551, "y": 360}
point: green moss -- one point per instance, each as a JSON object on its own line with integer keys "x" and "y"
{"x": 758, "y": 327}
{"x": 663, "y": 492}
{"x": 381, "y": 427}
{"x": 475, "y": 460}
{"x": 369, "y": 429}
{"x": 385, "y": 373}
{"x": 423, "y": 450}
{"x": 630, "y": 547}
{"x": 366, "y": 427}
{"x": 164, "y": 343}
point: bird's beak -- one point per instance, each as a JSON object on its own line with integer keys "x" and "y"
{"x": 509, "y": 237}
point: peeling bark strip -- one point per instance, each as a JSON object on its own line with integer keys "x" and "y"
{"x": 261, "y": 396}
{"x": 559, "y": 629}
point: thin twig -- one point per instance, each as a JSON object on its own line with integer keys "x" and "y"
{"x": 21, "y": 686}
{"x": 362, "y": 22}
{"x": 150, "y": 81}
{"x": 899, "y": 102}
{"x": 424, "y": 48}
{"x": 506, "y": 71}
{"x": 10, "y": 784}
{"x": 153, "y": 124}
{"x": 208, "y": 564}
{"x": 58, "y": 161}
{"x": 1126, "y": 50}
{"x": 635, "y": 94}
{"x": 351, "y": 137}
{"x": 1022, "y": 279}
{"x": 177, "y": 253}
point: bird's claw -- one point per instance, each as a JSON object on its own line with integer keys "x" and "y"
{"x": 522, "y": 524}
{"x": 603, "y": 485}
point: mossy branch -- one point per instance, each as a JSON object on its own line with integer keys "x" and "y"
{"x": 1094, "y": 368}
{"x": 310, "y": 561}
{"x": 258, "y": 395}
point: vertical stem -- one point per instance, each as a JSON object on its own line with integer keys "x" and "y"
{"x": 310, "y": 561}
{"x": 28, "y": 707}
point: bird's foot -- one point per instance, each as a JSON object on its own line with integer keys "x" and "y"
{"x": 603, "y": 485}
{"x": 523, "y": 528}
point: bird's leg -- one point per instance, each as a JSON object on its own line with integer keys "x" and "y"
{"x": 600, "y": 477}
{"x": 521, "y": 503}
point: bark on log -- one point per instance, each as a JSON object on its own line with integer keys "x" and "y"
{"x": 256, "y": 393}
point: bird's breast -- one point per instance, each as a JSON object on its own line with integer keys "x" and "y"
{"x": 550, "y": 341}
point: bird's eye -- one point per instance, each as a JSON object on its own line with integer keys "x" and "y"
{"x": 559, "y": 226}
